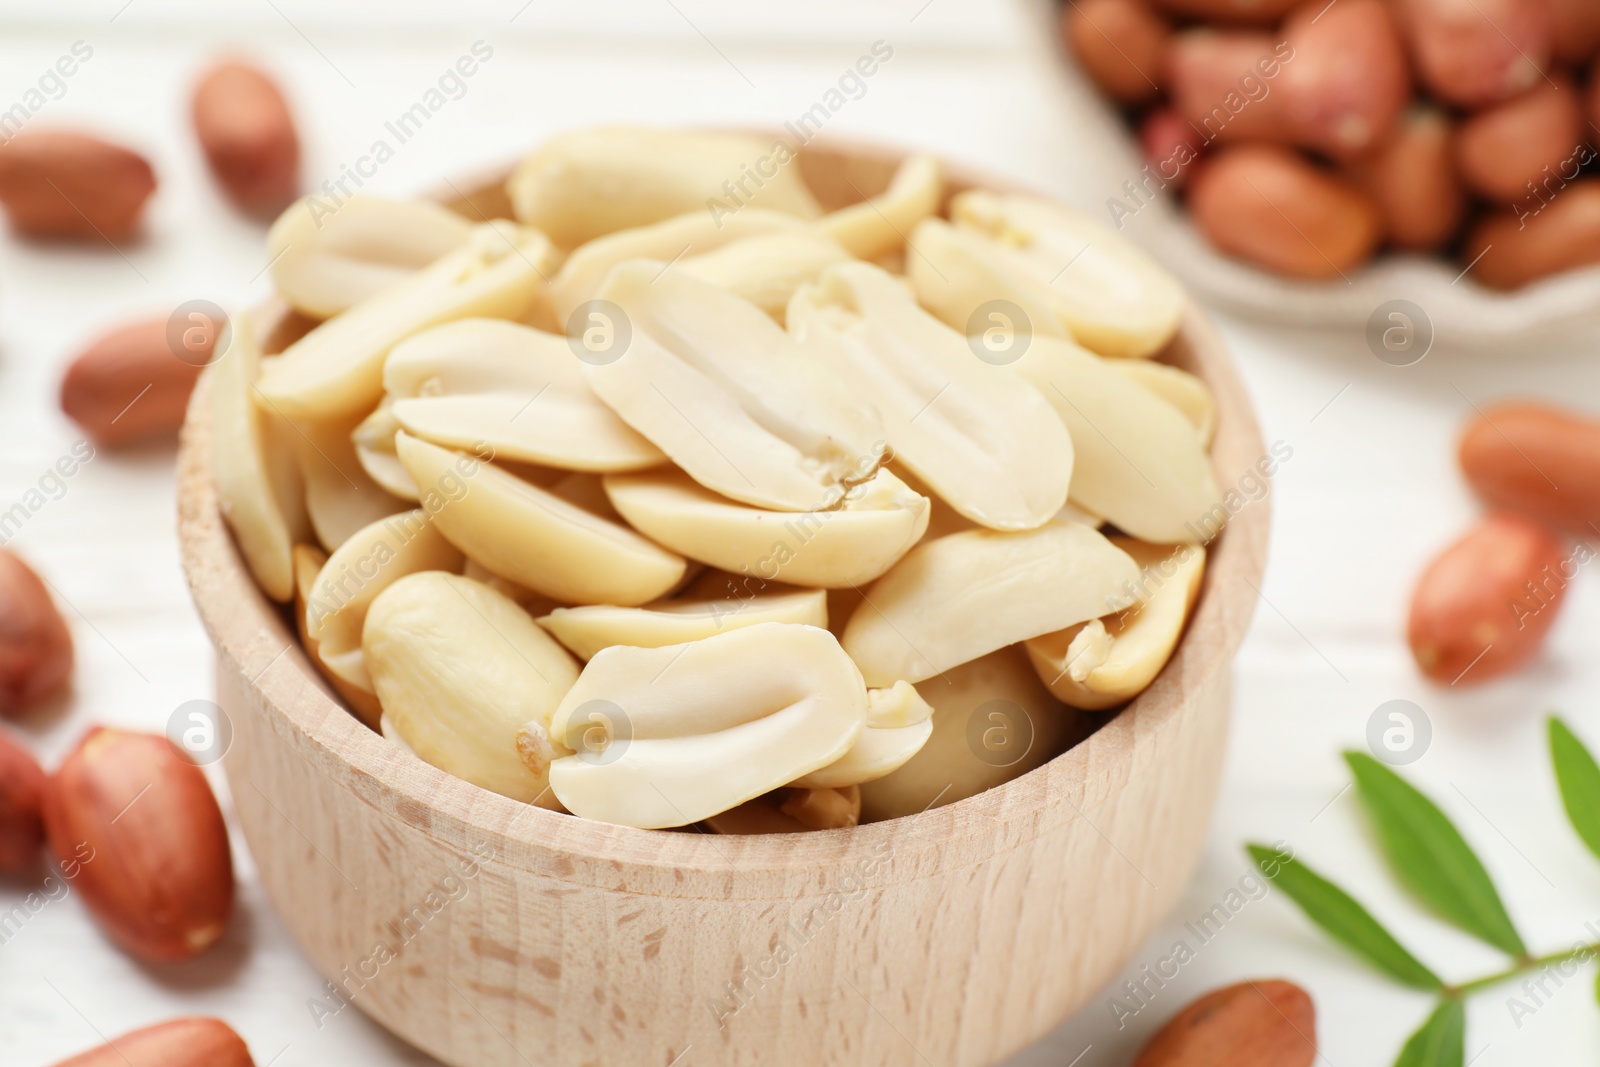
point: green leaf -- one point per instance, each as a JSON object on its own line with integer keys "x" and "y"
{"x": 1442, "y": 1040}
{"x": 1345, "y": 920}
{"x": 1579, "y": 778}
{"x": 1430, "y": 857}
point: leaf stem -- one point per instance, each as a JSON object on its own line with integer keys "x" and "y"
{"x": 1522, "y": 966}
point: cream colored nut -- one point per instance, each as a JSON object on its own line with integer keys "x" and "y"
{"x": 878, "y": 226}
{"x": 676, "y": 239}
{"x": 896, "y": 706}
{"x": 515, "y": 388}
{"x": 668, "y": 736}
{"x": 326, "y": 259}
{"x": 373, "y": 439}
{"x": 767, "y": 270}
{"x": 535, "y": 538}
{"x": 373, "y": 559}
{"x": 962, "y": 596}
{"x": 341, "y": 497}
{"x": 308, "y": 563}
{"x": 727, "y": 394}
{"x": 1111, "y": 296}
{"x": 258, "y": 482}
{"x": 758, "y": 816}
{"x": 587, "y": 630}
{"x": 824, "y": 808}
{"x": 874, "y": 525}
{"x": 1109, "y": 661}
{"x": 956, "y": 271}
{"x": 1184, "y": 391}
{"x": 993, "y": 720}
{"x": 581, "y": 185}
{"x": 336, "y": 370}
{"x": 387, "y": 729}
{"x": 459, "y": 669}
{"x": 535, "y": 604}
{"x": 982, "y": 439}
{"x": 877, "y": 752}
{"x": 1139, "y": 461}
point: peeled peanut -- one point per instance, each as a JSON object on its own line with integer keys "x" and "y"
{"x": 1110, "y": 295}
{"x": 649, "y": 175}
{"x": 326, "y": 258}
{"x": 253, "y": 464}
{"x": 129, "y": 386}
{"x": 1184, "y": 391}
{"x": 1268, "y": 206}
{"x": 586, "y": 630}
{"x": 337, "y": 369}
{"x": 1265, "y": 1023}
{"x": 1505, "y": 149}
{"x": 719, "y": 387}
{"x": 1121, "y": 44}
{"x": 139, "y": 821}
{"x": 1138, "y": 461}
{"x": 696, "y": 233}
{"x": 877, "y": 751}
{"x": 341, "y": 498}
{"x": 766, "y": 270}
{"x": 373, "y": 559}
{"x": 56, "y": 183}
{"x": 459, "y": 669}
{"x": 896, "y": 706}
{"x": 1538, "y": 460}
{"x": 1230, "y": 11}
{"x": 877, "y": 227}
{"x": 983, "y": 439}
{"x": 1474, "y": 52}
{"x": 193, "y": 1042}
{"x": 1484, "y": 605}
{"x": 1348, "y": 81}
{"x": 960, "y": 597}
{"x": 244, "y": 126}
{"x": 309, "y": 560}
{"x": 866, "y": 530}
{"x": 515, "y": 389}
{"x": 35, "y": 644}
{"x": 1109, "y": 661}
{"x": 534, "y": 537}
{"x": 22, "y": 786}
{"x": 993, "y": 720}
{"x": 669, "y": 736}
{"x": 1415, "y": 183}
{"x": 1516, "y": 248}
{"x": 1226, "y": 84}
{"x": 373, "y": 440}
{"x": 1171, "y": 145}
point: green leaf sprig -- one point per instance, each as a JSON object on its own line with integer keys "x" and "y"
{"x": 1428, "y": 855}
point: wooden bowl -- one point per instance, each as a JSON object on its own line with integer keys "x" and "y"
{"x": 492, "y": 933}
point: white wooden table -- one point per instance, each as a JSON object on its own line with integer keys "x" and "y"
{"x": 1369, "y": 493}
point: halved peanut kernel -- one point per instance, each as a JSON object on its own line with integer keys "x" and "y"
{"x": 515, "y": 388}
{"x": 326, "y": 260}
{"x": 587, "y": 630}
{"x": 766, "y": 270}
{"x": 896, "y": 706}
{"x": 877, "y": 752}
{"x": 1139, "y": 461}
{"x": 676, "y": 239}
{"x": 1182, "y": 390}
{"x": 962, "y": 596}
{"x": 308, "y": 563}
{"x": 341, "y": 497}
{"x": 373, "y": 439}
{"x": 878, "y": 226}
{"x": 259, "y": 489}
{"x": 459, "y": 669}
{"x": 981, "y": 438}
{"x": 373, "y": 559}
{"x": 669, "y": 736}
{"x": 993, "y": 720}
{"x": 1109, "y": 661}
{"x": 725, "y": 392}
{"x": 869, "y": 528}
{"x": 535, "y": 538}
{"x": 581, "y": 185}
{"x": 336, "y": 370}
{"x": 956, "y": 271}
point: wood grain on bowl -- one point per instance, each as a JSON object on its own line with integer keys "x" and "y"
{"x": 490, "y": 932}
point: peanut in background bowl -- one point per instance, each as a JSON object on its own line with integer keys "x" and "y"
{"x": 492, "y": 933}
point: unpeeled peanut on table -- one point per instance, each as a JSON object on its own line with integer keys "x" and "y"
{"x": 132, "y": 385}
{"x": 1121, "y": 44}
{"x": 245, "y": 128}
{"x": 191, "y": 1042}
{"x": 1538, "y": 460}
{"x": 59, "y": 183}
{"x": 1483, "y": 606}
{"x": 1262, "y": 1023}
{"x": 35, "y": 644}
{"x": 1515, "y": 248}
{"x": 22, "y": 786}
{"x": 138, "y": 820}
